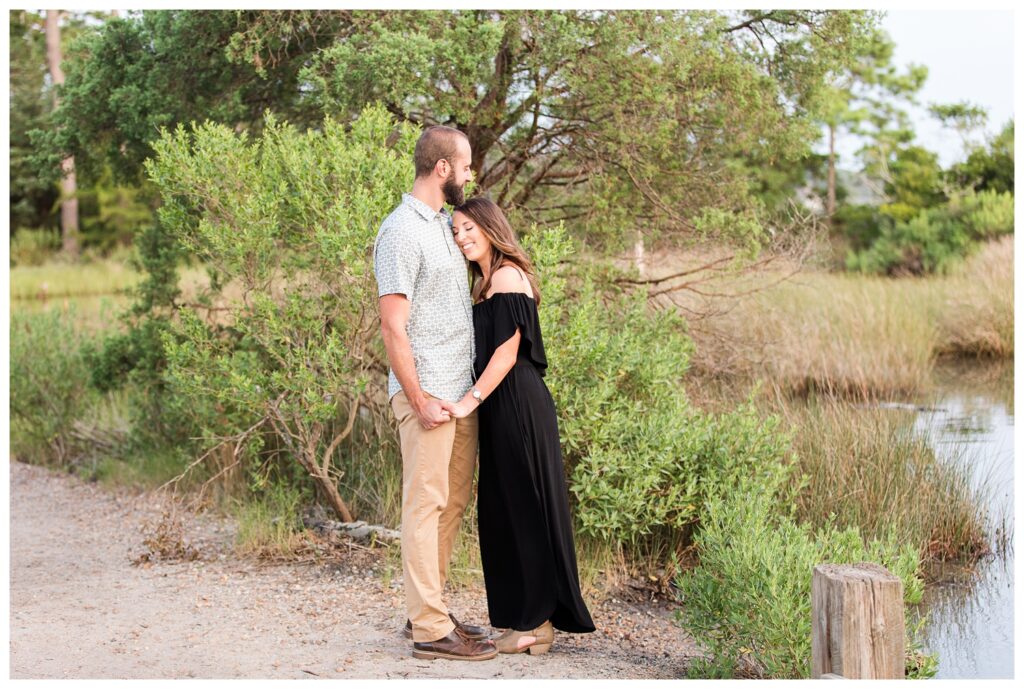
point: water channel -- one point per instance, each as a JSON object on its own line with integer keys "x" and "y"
{"x": 970, "y": 609}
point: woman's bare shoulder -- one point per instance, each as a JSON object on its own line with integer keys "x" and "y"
{"x": 509, "y": 279}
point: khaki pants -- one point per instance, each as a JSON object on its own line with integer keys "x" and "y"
{"x": 437, "y": 484}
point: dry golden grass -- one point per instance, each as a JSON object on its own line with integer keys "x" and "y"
{"x": 846, "y": 334}
{"x": 975, "y": 307}
{"x": 865, "y": 466}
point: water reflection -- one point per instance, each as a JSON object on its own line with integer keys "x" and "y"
{"x": 970, "y": 609}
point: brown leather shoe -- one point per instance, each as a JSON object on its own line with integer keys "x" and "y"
{"x": 470, "y": 631}
{"x": 455, "y": 646}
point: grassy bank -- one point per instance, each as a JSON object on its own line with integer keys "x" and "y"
{"x": 852, "y": 335}
{"x": 974, "y": 311}
{"x": 863, "y": 467}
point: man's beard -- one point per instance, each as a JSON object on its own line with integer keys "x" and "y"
{"x": 453, "y": 194}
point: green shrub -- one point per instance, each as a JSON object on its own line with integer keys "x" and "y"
{"x": 860, "y": 224}
{"x": 49, "y": 384}
{"x": 935, "y": 238}
{"x": 748, "y": 602}
{"x": 641, "y": 459}
{"x": 289, "y": 219}
{"x": 986, "y": 214}
{"x": 135, "y": 361}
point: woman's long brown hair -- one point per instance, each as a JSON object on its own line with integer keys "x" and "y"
{"x": 505, "y": 247}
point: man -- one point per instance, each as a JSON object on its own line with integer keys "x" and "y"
{"x": 426, "y": 316}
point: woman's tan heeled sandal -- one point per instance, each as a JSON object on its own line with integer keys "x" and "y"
{"x": 544, "y": 636}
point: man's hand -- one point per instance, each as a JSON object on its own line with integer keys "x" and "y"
{"x": 431, "y": 413}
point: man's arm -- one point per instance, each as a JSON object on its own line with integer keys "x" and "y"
{"x": 394, "y": 315}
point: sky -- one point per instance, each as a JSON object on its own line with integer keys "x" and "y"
{"x": 969, "y": 56}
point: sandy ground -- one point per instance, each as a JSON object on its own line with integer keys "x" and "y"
{"x": 81, "y": 609}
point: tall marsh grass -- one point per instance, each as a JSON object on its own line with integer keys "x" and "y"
{"x": 859, "y": 336}
{"x": 975, "y": 308}
{"x": 864, "y": 467}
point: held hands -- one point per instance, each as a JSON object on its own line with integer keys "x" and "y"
{"x": 432, "y": 413}
{"x": 460, "y": 409}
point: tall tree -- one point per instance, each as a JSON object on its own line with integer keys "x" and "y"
{"x": 606, "y": 119}
{"x": 68, "y": 185}
{"x": 963, "y": 117}
{"x": 988, "y": 167}
{"x": 31, "y": 197}
{"x": 868, "y": 99}
{"x": 133, "y": 75}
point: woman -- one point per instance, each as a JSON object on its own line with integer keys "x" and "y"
{"x": 526, "y": 542}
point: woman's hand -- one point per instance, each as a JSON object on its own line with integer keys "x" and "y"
{"x": 460, "y": 409}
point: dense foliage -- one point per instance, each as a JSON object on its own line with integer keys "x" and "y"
{"x": 557, "y": 104}
{"x": 285, "y": 223}
{"x": 747, "y": 605}
{"x": 934, "y": 238}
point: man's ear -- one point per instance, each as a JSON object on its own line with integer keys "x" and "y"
{"x": 441, "y": 168}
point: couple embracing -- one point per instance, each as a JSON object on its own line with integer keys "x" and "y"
{"x": 467, "y": 365}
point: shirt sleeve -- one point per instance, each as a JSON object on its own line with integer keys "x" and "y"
{"x": 396, "y": 263}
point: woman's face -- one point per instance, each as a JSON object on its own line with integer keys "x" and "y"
{"x": 470, "y": 238}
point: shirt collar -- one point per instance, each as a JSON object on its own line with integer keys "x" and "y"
{"x": 423, "y": 209}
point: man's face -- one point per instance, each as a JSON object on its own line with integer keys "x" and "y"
{"x": 460, "y": 173}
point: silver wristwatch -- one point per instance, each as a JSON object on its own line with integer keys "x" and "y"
{"x": 477, "y": 395}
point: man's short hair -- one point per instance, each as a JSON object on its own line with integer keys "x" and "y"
{"x": 436, "y": 143}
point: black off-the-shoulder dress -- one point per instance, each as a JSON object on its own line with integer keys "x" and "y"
{"x": 526, "y": 541}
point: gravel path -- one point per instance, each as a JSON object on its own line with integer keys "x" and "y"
{"x": 79, "y": 608}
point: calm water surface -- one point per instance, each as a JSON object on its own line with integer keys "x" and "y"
{"x": 970, "y": 610}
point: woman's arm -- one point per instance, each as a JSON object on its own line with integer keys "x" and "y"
{"x": 504, "y": 357}
{"x": 497, "y": 368}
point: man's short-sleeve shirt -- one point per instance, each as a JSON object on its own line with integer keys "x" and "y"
{"x": 415, "y": 254}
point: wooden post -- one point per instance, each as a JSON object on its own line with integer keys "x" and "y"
{"x": 857, "y": 627}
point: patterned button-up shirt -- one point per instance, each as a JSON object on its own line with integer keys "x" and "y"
{"x": 415, "y": 254}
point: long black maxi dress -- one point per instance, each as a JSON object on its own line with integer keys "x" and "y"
{"x": 526, "y": 542}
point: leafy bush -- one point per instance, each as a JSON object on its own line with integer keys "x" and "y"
{"x": 988, "y": 167}
{"x": 133, "y": 357}
{"x": 49, "y": 384}
{"x": 748, "y": 602}
{"x": 641, "y": 459}
{"x": 287, "y": 221}
{"x": 986, "y": 214}
{"x": 933, "y": 239}
{"x": 860, "y": 224}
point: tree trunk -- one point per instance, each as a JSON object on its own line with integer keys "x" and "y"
{"x": 830, "y": 207}
{"x": 68, "y": 184}
{"x": 327, "y": 488}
